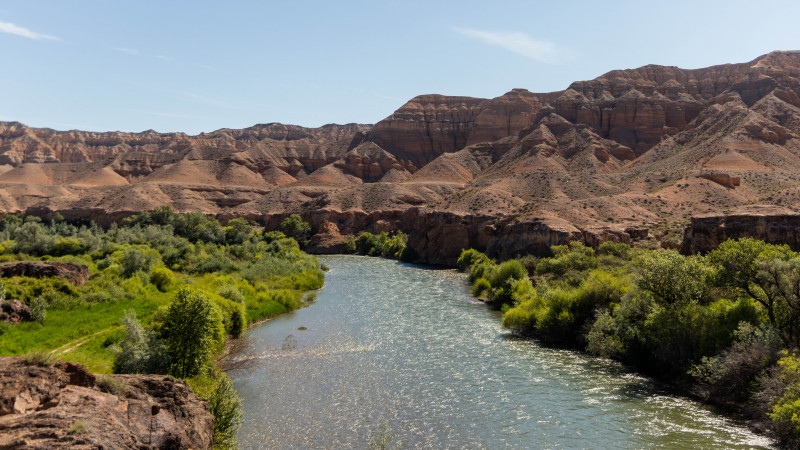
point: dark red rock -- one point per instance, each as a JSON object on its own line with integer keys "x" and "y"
{"x": 14, "y": 311}
{"x": 76, "y": 274}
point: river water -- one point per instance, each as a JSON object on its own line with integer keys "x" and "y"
{"x": 397, "y": 351}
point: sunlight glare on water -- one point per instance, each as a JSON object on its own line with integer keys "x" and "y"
{"x": 408, "y": 347}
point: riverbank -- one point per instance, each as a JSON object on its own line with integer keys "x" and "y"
{"x": 696, "y": 323}
{"x": 181, "y": 284}
{"x": 408, "y": 347}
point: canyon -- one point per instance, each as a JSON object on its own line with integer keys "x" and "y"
{"x": 633, "y": 154}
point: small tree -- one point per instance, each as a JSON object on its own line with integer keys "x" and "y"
{"x": 192, "y": 329}
{"x": 140, "y": 350}
{"x": 237, "y": 231}
{"x": 225, "y": 404}
{"x": 135, "y": 260}
{"x": 294, "y": 227}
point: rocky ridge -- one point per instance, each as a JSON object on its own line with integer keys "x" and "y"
{"x": 610, "y": 158}
{"x": 62, "y": 406}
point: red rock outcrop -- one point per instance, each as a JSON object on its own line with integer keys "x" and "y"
{"x": 14, "y": 311}
{"x": 704, "y": 234}
{"x": 75, "y": 274}
{"x": 62, "y": 407}
{"x": 723, "y": 179}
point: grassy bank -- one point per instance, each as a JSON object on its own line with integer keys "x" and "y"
{"x": 161, "y": 286}
{"x": 727, "y": 325}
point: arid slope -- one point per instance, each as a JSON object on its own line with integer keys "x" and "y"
{"x": 630, "y": 151}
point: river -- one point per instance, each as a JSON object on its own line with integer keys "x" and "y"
{"x": 405, "y": 349}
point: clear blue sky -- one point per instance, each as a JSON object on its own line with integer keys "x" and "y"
{"x": 197, "y": 65}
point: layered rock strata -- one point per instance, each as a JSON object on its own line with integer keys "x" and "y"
{"x": 603, "y": 159}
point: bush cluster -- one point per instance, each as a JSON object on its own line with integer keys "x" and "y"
{"x": 728, "y": 322}
{"x": 382, "y": 244}
{"x": 186, "y": 281}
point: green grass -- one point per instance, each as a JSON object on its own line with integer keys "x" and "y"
{"x": 82, "y": 333}
{"x": 64, "y": 326}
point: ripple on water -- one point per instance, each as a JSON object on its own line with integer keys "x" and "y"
{"x": 408, "y": 347}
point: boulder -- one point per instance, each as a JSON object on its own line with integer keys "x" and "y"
{"x": 62, "y": 407}
{"x": 75, "y": 274}
{"x": 14, "y": 311}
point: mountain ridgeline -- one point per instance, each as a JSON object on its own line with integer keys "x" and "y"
{"x": 630, "y": 154}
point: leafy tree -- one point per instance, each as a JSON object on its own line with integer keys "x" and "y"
{"x": 779, "y": 280}
{"x": 192, "y": 330}
{"x": 294, "y": 227}
{"x": 741, "y": 265}
{"x": 140, "y": 350}
{"x": 135, "y": 260}
{"x": 237, "y": 231}
{"x": 161, "y": 215}
{"x": 33, "y": 238}
{"x": 673, "y": 278}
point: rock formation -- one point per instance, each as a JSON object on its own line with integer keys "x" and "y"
{"x": 75, "y": 274}
{"x": 603, "y": 159}
{"x": 63, "y": 407}
{"x": 14, "y": 311}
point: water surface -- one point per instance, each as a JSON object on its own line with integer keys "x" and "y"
{"x": 408, "y": 347}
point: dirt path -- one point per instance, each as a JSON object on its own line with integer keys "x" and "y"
{"x": 72, "y": 345}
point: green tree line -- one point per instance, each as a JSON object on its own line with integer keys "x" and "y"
{"x": 726, "y": 323}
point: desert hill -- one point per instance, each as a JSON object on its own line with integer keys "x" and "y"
{"x": 610, "y": 158}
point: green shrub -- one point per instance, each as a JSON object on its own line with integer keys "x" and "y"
{"x": 785, "y": 412}
{"x": 504, "y": 277}
{"x": 482, "y": 269}
{"x": 140, "y": 350}
{"x": 480, "y": 287}
{"x": 294, "y": 227}
{"x": 162, "y": 278}
{"x": 233, "y": 316}
{"x": 225, "y": 405}
{"x": 732, "y": 374}
{"x": 618, "y": 249}
{"x": 468, "y": 258}
{"x": 237, "y": 231}
{"x": 68, "y": 246}
{"x": 135, "y": 260}
{"x": 674, "y": 278}
{"x": 77, "y": 427}
{"x": 40, "y": 358}
{"x": 366, "y": 242}
{"x": 394, "y": 246}
{"x": 529, "y": 262}
{"x": 572, "y": 257}
{"x": 112, "y": 385}
{"x": 351, "y": 244}
{"x": 38, "y": 308}
{"x": 231, "y": 292}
